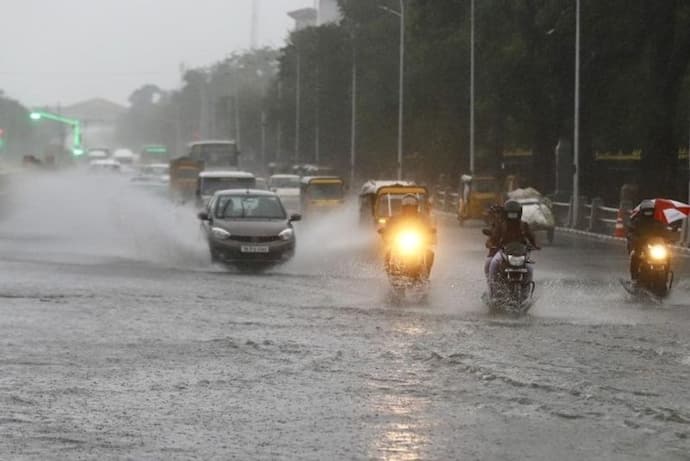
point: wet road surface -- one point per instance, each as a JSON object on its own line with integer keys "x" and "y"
{"x": 120, "y": 340}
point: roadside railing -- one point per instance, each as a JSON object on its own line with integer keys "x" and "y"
{"x": 593, "y": 216}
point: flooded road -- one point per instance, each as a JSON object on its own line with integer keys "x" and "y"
{"x": 120, "y": 340}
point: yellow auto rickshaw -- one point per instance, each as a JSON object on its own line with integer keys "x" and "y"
{"x": 381, "y": 200}
{"x": 477, "y": 194}
{"x": 368, "y": 196}
{"x": 184, "y": 174}
{"x": 321, "y": 194}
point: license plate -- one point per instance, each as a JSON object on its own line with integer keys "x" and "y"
{"x": 253, "y": 249}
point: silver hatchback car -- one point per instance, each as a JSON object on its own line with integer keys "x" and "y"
{"x": 248, "y": 226}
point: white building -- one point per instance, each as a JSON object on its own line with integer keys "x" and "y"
{"x": 305, "y": 17}
{"x": 324, "y": 12}
{"x": 328, "y": 11}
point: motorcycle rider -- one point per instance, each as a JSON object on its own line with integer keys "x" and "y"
{"x": 512, "y": 229}
{"x": 410, "y": 216}
{"x": 643, "y": 226}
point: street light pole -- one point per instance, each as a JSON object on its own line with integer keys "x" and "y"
{"x": 401, "y": 87}
{"x": 471, "y": 87}
{"x": 74, "y": 123}
{"x": 576, "y": 123}
{"x": 353, "y": 121}
{"x": 297, "y": 106}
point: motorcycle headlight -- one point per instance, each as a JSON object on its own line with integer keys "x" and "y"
{"x": 658, "y": 252}
{"x": 287, "y": 234}
{"x": 220, "y": 234}
{"x": 409, "y": 242}
{"x": 516, "y": 260}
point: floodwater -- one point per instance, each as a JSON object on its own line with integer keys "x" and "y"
{"x": 119, "y": 339}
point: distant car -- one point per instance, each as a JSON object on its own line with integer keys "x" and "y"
{"x": 209, "y": 182}
{"x": 248, "y": 226}
{"x": 105, "y": 165}
{"x": 261, "y": 184}
{"x": 287, "y": 186}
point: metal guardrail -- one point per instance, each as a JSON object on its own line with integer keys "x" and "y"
{"x": 594, "y": 216}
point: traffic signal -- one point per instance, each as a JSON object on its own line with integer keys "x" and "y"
{"x": 2, "y": 139}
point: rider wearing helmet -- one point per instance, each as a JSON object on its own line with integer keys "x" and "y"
{"x": 410, "y": 216}
{"x": 512, "y": 229}
{"x": 643, "y": 226}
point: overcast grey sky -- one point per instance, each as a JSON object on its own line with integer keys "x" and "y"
{"x": 69, "y": 50}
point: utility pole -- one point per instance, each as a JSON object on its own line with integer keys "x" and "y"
{"x": 401, "y": 84}
{"x": 353, "y": 121}
{"x": 401, "y": 109}
{"x": 576, "y": 123}
{"x": 203, "y": 116}
{"x": 263, "y": 138}
{"x": 297, "y": 106}
{"x": 472, "y": 87}
{"x": 279, "y": 128}
{"x": 317, "y": 122}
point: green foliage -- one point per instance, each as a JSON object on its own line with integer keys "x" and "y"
{"x": 16, "y": 126}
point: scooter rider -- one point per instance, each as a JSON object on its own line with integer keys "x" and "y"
{"x": 511, "y": 230}
{"x": 410, "y": 216}
{"x": 643, "y": 226}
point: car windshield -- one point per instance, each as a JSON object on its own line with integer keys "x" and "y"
{"x": 249, "y": 207}
{"x": 284, "y": 183}
{"x": 211, "y": 185}
{"x": 328, "y": 191}
{"x": 389, "y": 204}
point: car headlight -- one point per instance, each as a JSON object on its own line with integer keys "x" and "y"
{"x": 658, "y": 252}
{"x": 220, "y": 234}
{"x": 382, "y": 221}
{"x": 516, "y": 260}
{"x": 409, "y": 242}
{"x": 287, "y": 234}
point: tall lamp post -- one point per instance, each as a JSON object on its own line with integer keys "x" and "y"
{"x": 77, "y": 149}
{"x": 576, "y": 123}
{"x": 401, "y": 94}
{"x": 353, "y": 119}
{"x": 472, "y": 87}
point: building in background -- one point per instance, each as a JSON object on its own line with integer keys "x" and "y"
{"x": 305, "y": 17}
{"x": 324, "y": 12}
{"x": 99, "y": 119}
{"x": 327, "y": 12}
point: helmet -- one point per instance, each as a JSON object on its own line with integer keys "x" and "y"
{"x": 647, "y": 208}
{"x": 409, "y": 204}
{"x": 513, "y": 210}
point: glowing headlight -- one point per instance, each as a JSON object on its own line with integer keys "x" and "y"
{"x": 382, "y": 221}
{"x": 658, "y": 252}
{"x": 516, "y": 260}
{"x": 220, "y": 234}
{"x": 409, "y": 242}
{"x": 287, "y": 234}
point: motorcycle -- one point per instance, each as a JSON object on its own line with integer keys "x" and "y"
{"x": 513, "y": 288}
{"x": 408, "y": 260}
{"x": 654, "y": 274}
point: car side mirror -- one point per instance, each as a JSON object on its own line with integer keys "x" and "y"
{"x": 295, "y": 217}
{"x": 203, "y": 215}
{"x": 486, "y": 232}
